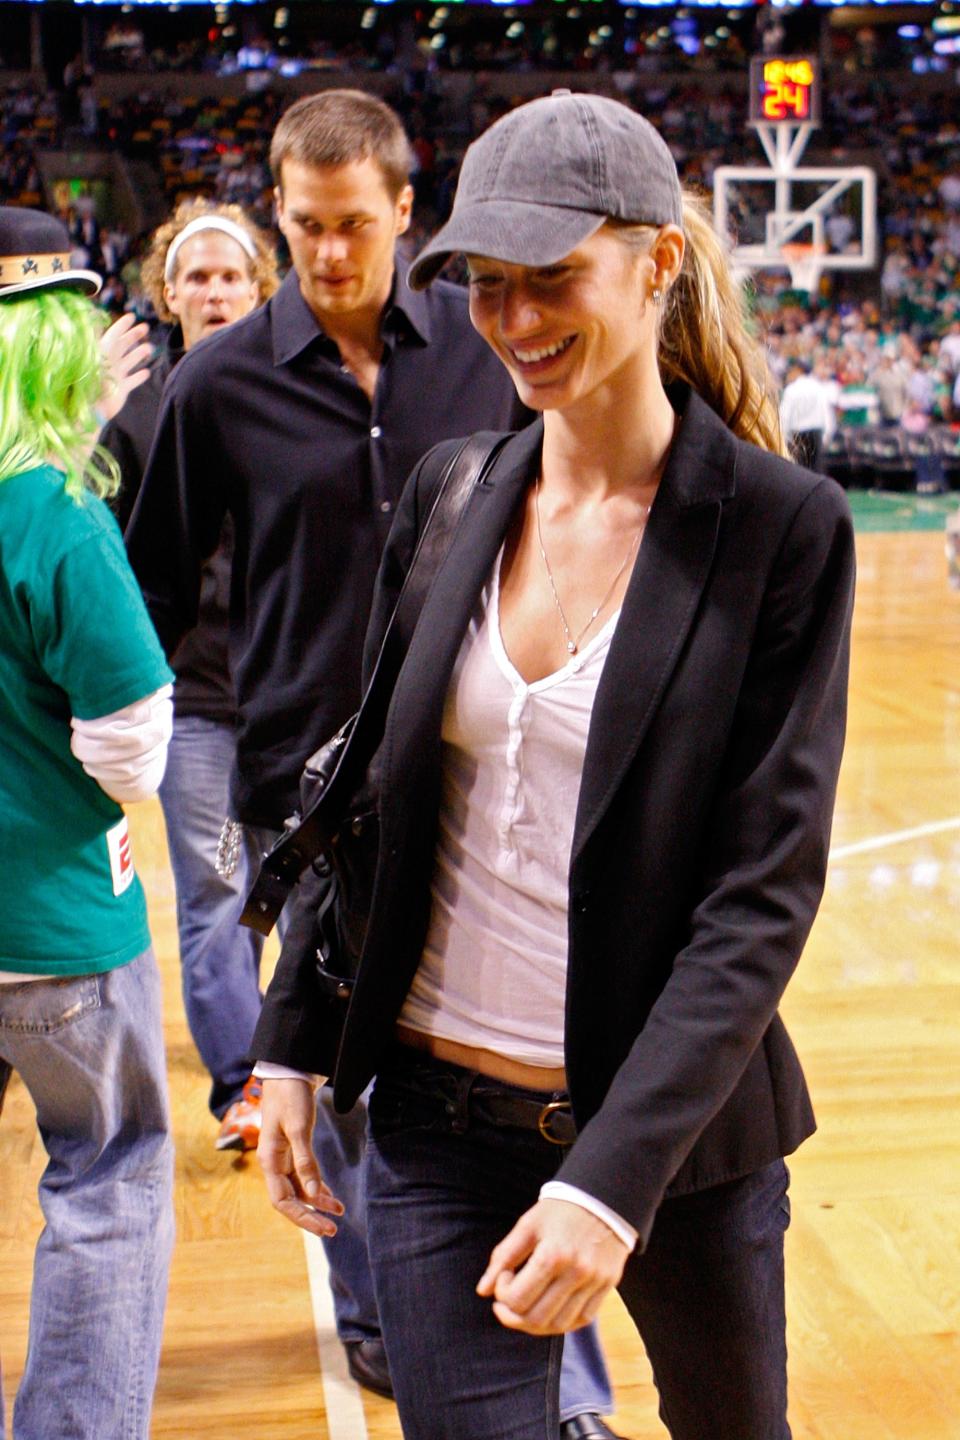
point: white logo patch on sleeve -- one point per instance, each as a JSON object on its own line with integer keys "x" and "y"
{"x": 121, "y": 857}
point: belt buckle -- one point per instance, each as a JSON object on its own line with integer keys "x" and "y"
{"x": 552, "y": 1107}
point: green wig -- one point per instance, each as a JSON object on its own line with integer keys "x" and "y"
{"x": 51, "y": 373}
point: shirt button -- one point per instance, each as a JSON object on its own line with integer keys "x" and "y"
{"x": 385, "y": 507}
{"x": 375, "y": 432}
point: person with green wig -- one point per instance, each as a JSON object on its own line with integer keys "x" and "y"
{"x": 85, "y": 719}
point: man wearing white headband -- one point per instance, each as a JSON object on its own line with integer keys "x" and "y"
{"x": 209, "y": 276}
{"x": 303, "y": 422}
{"x": 206, "y": 267}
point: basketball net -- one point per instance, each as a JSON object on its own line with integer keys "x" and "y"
{"x": 803, "y": 262}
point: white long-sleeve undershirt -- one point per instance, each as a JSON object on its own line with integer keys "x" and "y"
{"x": 126, "y": 751}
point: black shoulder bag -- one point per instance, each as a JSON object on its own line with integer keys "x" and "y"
{"x": 337, "y": 830}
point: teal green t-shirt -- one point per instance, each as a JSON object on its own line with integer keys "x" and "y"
{"x": 75, "y": 640}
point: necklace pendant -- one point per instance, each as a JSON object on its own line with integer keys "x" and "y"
{"x": 572, "y": 647}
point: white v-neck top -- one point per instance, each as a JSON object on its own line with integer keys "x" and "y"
{"x": 494, "y": 967}
{"x": 493, "y": 973}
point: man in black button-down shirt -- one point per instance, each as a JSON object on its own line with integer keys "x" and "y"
{"x": 302, "y": 422}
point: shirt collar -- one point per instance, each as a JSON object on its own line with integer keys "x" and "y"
{"x": 175, "y": 346}
{"x": 295, "y": 326}
{"x": 408, "y": 307}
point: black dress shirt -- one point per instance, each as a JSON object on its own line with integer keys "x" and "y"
{"x": 203, "y": 686}
{"x": 264, "y": 422}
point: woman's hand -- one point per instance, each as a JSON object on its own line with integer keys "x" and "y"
{"x": 553, "y": 1270}
{"x": 286, "y": 1157}
{"x": 126, "y": 351}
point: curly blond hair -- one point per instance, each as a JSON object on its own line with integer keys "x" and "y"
{"x": 263, "y": 269}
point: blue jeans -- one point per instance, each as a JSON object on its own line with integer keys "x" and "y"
{"x": 445, "y": 1183}
{"x": 90, "y": 1052}
{"x": 339, "y": 1143}
{"x": 219, "y": 958}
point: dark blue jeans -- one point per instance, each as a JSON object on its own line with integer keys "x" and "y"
{"x": 446, "y": 1180}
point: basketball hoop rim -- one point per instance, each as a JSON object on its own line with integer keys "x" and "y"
{"x": 801, "y": 251}
{"x": 802, "y": 259}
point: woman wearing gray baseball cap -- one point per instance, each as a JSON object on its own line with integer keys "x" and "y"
{"x": 606, "y": 792}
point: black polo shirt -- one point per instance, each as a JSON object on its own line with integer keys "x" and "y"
{"x": 263, "y": 422}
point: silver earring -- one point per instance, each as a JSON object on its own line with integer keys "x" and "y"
{"x": 656, "y": 295}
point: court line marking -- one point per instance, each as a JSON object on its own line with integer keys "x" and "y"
{"x": 894, "y": 837}
{"x": 341, "y": 1393}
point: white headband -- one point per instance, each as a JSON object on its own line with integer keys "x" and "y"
{"x": 207, "y": 222}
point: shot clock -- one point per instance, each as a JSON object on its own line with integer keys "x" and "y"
{"x": 784, "y": 90}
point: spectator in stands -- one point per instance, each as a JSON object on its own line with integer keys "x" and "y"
{"x": 206, "y": 267}
{"x": 890, "y": 383}
{"x": 84, "y": 724}
{"x": 941, "y": 411}
{"x": 857, "y": 399}
{"x": 840, "y": 230}
{"x": 949, "y": 189}
{"x": 113, "y": 295}
{"x": 894, "y": 277}
{"x": 921, "y": 386}
{"x": 950, "y": 349}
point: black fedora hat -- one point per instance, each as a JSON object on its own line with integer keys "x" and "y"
{"x": 35, "y": 254}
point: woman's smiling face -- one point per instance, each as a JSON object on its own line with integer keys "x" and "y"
{"x": 569, "y": 330}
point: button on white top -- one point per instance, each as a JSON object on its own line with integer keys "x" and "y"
{"x": 493, "y": 972}
{"x": 375, "y": 432}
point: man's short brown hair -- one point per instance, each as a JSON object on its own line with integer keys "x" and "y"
{"x": 337, "y": 127}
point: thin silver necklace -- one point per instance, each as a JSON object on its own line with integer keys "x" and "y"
{"x": 573, "y": 641}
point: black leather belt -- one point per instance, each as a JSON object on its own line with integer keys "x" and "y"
{"x": 553, "y": 1119}
{"x": 464, "y": 1093}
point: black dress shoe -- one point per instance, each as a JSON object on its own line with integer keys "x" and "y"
{"x": 367, "y": 1363}
{"x": 586, "y": 1427}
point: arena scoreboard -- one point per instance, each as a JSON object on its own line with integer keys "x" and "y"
{"x": 784, "y": 90}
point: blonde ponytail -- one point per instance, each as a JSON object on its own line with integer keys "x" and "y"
{"x": 704, "y": 340}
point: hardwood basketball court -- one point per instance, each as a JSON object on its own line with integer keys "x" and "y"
{"x": 874, "y": 1248}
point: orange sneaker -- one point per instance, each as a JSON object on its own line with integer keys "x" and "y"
{"x": 240, "y": 1126}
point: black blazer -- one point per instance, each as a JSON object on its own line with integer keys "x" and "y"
{"x": 703, "y": 822}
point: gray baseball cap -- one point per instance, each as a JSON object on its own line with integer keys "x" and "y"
{"x": 546, "y": 176}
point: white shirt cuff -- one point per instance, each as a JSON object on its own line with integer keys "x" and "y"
{"x": 267, "y": 1070}
{"x": 126, "y": 751}
{"x": 560, "y": 1190}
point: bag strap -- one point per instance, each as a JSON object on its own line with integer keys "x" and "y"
{"x": 297, "y": 847}
{"x": 465, "y": 470}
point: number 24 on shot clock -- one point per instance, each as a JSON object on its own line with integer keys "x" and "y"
{"x": 784, "y": 90}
